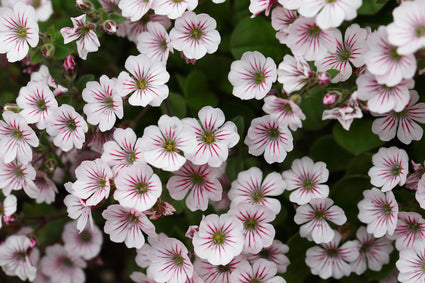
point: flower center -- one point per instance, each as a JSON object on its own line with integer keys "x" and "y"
{"x": 344, "y": 55}
{"x": 208, "y": 137}
{"x": 423, "y": 266}
{"x": 386, "y": 209}
{"x": 257, "y": 196}
{"x": 19, "y": 172}
{"x": 264, "y": 254}
{"x": 163, "y": 45}
{"x": 218, "y": 238}
{"x": 415, "y": 227}
{"x": 142, "y": 84}
{"x": 401, "y": 114}
{"x": 394, "y": 55}
{"x": 224, "y": 268}
{"x": 18, "y": 134}
{"x": 67, "y": 262}
{"x": 420, "y": 31}
{"x": 251, "y": 224}
{"x": 331, "y": 1}
{"x": 319, "y": 214}
{"x": 141, "y": 188}
{"x": 178, "y": 260}
{"x": 41, "y": 104}
{"x": 132, "y": 218}
{"x": 196, "y": 33}
{"x": 169, "y": 146}
{"x": 109, "y": 102}
{"x": 131, "y": 157}
{"x": 255, "y": 280}
{"x": 21, "y": 32}
{"x": 273, "y": 133}
{"x": 332, "y": 252}
{"x": 197, "y": 179}
{"x": 21, "y": 256}
{"x": 177, "y": 1}
{"x": 102, "y": 183}
{"x": 71, "y": 125}
{"x": 308, "y": 185}
{"x": 85, "y": 237}
{"x": 365, "y": 247}
{"x": 259, "y": 78}
{"x": 396, "y": 170}
{"x": 314, "y": 31}
{"x": 36, "y": 3}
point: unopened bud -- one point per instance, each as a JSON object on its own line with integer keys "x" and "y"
{"x": 109, "y": 26}
{"x": 69, "y": 64}
{"x": 33, "y": 242}
{"x": 47, "y": 50}
{"x": 323, "y": 79}
{"x": 187, "y": 60}
{"x": 11, "y": 107}
{"x": 84, "y": 5}
{"x": 331, "y": 98}
{"x": 296, "y": 99}
{"x": 9, "y": 219}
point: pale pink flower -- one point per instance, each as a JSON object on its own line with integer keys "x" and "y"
{"x": 195, "y": 35}
{"x": 306, "y": 39}
{"x": 402, "y": 123}
{"x": 135, "y": 9}
{"x": 293, "y": 73}
{"x": 155, "y": 42}
{"x": 252, "y": 76}
{"x": 133, "y": 29}
{"x": 382, "y": 98}
{"x": 109, "y": 5}
{"x": 124, "y": 151}
{"x": 137, "y": 187}
{"x": 281, "y": 19}
{"x": 307, "y": 178}
{"x": 47, "y": 188}
{"x": 411, "y": 264}
{"x": 420, "y": 193}
{"x": 390, "y": 168}
{"x": 163, "y": 145}
{"x": 15, "y": 176}
{"x": 174, "y": 9}
{"x": 78, "y": 209}
{"x": 315, "y": 216}
{"x": 43, "y": 8}
{"x": 43, "y": 75}
{"x": 250, "y": 188}
{"x": 18, "y": 31}
{"x": 258, "y": 6}
{"x": 140, "y": 277}
{"x": 126, "y": 225}
{"x": 269, "y": 137}
{"x": 146, "y": 83}
{"x": 414, "y": 177}
{"x": 410, "y": 230}
{"x": 219, "y": 239}
{"x": 104, "y": 104}
{"x": 92, "y": 181}
{"x": 63, "y": 266}
{"x": 257, "y": 232}
{"x": 219, "y": 273}
{"x": 201, "y": 181}
{"x": 284, "y": 111}
{"x": 350, "y": 50}
{"x": 36, "y": 101}
{"x": 17, "y": 258}
{"x": 85, "y": 35}
{"x": 346, "y": 114}
{"x": 169, "y": 261}
{"x": 408, "y": 29}
{"x": 379, "y": 211}
{"x": 16, "y": 138}
{"x": 384, "y": 62}
{"x": 262, "y": 271}
{"x": 8, "y": 207}
{"x": 290, "y": 4}
{"x": 274, "y": 253}
{"x": 373, "y": 253}
{"x": 86, "y": 243}
{"x": 329, "y": 14}
{"x": 214, "y": 137}
{"x": 67, "y": 127}
{"x": 332, "y": 260}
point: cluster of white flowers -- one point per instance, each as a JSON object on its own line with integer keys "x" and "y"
{"x": 118, "y": 176}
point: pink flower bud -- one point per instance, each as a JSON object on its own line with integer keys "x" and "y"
{"x": 47, "y": 50}
{"x": 84, "y": 5}
{"x": 191, "y": 231}
{"x": 8, "y": 219}
{"x": 330, "y": 98}
{"x": 323, "y": 79}
{"x": 69, "y": 63}
{"x": 33, "y": 242}
{"x": 109, "y": 26}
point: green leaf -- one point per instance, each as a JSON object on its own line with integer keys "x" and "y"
{"x": 36, "y": 57}
{"x": 332, "y": 73}
{"x": 177, "y": 105}
{"x": 327, "y": 150}
{"x": 234, "y": 166}
{"x": 240, "y": 124}
{"x": 255, "y": 35}
{"x": 216, "y": 68}
{"x": 118, "y": 19}
{"x": 312, "y": 107}
{"x": 297, "y": 270}
{"x": 81, "y": 83}
{"x": 359, "y": 138}
{"x": 360, "y": 164}
{"x": 197, "y": 92}
{"x": 371, "y": 7}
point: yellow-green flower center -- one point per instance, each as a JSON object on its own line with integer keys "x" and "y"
{"x": 259, "y": 78}
{"x": 21, "y": 32}
{"x": 169, "y": 146}
{"x": 141, "y": 188}
{"x": 196, "y": 33}
{"x": 208, "y": 137}
{"x": 218, "y": 238}
{"x": 142, "y": 84}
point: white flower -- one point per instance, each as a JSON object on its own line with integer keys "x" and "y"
{"x": 43, "y": 8}
{"x": 86, "y": 243}
{"x": 195, "y": 35}
{"x": 104, "y": 104}
{"x": 411, "y": 263}
{"x": 78, "y": 209}
{"x": 274, "y": 253}
{"x": 135, "y": 9}
{"x": 284, "y": 111}
{"x": 293, "y": 73}
{"x": 219, "y": 273}
{"x": 146, "y": 83}
{"x": 281, "y": 19}
{"x": 307, "y": 178}
{"x": 261, "y": 271}
{"x": 15, "y": 176}
{"x": 219, "y": 238}
{"x": 410, "y": 230}
{"x": 174, "y": 9}
{"x": 8, "y": 207}
{"x": 390, "y": 169}
{"x": 155, "y": 42}
{"x": 252, "y": 76}
{"x": 18, "y": 31}
{"x": 47, "y": 188}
